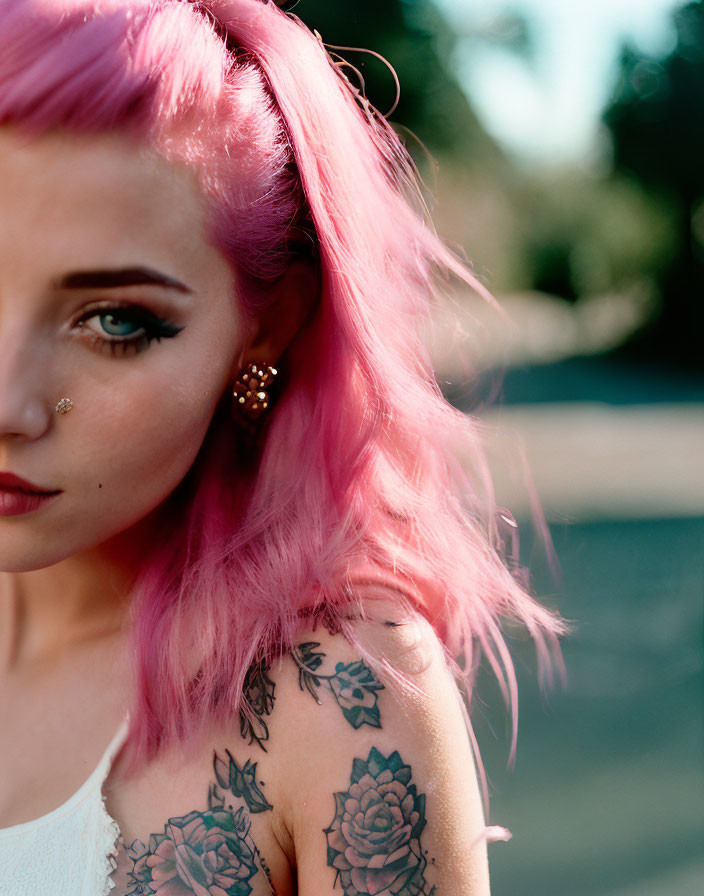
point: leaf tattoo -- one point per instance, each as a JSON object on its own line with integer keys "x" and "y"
{"x": 209, "y": 852}
{"x": 353, "y": 685}
{"x": 259, "y": 693}
{"x": 373, "y": 842}
{"x": 238, "y": 783}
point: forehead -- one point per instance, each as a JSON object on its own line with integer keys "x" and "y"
{"x": 103, "y": 195}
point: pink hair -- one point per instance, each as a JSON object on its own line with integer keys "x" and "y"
{"x": 354, "y": 488}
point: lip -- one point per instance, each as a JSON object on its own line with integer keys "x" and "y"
{"x": 14, "y": 502}
{"x": 11, "y": 482}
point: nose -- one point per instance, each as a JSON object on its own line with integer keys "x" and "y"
{"x": 25, "y": 402}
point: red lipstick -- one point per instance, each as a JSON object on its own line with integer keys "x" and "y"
{"x": 19, "y": 496}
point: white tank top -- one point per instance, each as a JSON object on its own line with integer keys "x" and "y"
{"x": 71, "y": 850}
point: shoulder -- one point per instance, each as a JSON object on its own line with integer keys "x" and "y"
{"x": 336, "y": 780}
{"x": 343, "y": 677}
{"x": 377, "y": 782}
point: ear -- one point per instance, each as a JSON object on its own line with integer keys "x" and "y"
{"x": 294, "y": 298}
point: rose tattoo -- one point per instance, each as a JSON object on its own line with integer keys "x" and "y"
{"x": 207, "y": 853}
{"x": 204, "y": 853}
{"x": 373, "y": 841}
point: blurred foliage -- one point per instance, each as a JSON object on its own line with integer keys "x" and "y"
{"x": 586, "y": 234}
{"x": 511, "y": 30}
{"x": 561, "y": 230}
{"x": 656, "y": 119}
{"x": 467, "y": 174}
{"x": 415, "y": 39}
{"x": 507, "y": 29}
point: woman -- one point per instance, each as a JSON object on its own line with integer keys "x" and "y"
{"x": 236, "y": 544}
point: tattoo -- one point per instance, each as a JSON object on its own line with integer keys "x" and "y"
{"x": 235, "y": 784}
{"x": 259, "y": 688}
{"x": 322, "y": 615}
{"x": 259, "y": 693}
{"x": 353, "y": 685}
{"x": 373, "y": 842}
{"x": 205, "y": 852}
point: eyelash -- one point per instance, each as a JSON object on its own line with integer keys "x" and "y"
{"x": 152, "y": 327}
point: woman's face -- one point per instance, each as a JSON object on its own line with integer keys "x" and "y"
{"x": 110, "y": 295}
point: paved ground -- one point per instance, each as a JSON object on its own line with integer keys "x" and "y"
{"x": 607, "y": 793}
{"x": 603, "y": 439}
{"x": 592, "y": 460}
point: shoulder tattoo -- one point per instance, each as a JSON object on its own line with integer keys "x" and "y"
{"x": 374, "y": 839}
{"x": 353, "y": 685}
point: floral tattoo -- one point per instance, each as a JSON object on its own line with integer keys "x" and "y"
{"x": 373, "y": 842}
{"x": 353, "y": 685}
{"x": 210, "y": 853}
{"x": 259, "y": 694}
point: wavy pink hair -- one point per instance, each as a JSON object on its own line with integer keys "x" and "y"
{"x": 354, "y": 489}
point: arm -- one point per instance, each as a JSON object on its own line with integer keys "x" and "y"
{"x": 387, "y": 805}
{"x": 337, "y": 784}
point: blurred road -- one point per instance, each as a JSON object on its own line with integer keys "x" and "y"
{"x": 607, "y": 792}
{"x": 606, "y": 796}
{"x": 603, "y": 439}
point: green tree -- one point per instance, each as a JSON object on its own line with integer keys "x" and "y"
{"x": 656, "y": 119}
{"x": 415, "y": 39}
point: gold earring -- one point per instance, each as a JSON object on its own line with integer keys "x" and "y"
{"x": 250, "y": 390}
{"x": 64, "y": 405}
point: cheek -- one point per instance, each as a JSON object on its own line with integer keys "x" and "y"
{"x": 133, "y": 434}
{"x": 133, "y": 443}
{"x": 149, "y": 442}
{"x": 115, "y": 467}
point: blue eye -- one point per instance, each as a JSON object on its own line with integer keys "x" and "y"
{"x": 115, "y": 325}
{"x": 122, "y": 328}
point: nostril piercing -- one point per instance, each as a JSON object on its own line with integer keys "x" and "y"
{"x": 64, "y": 406}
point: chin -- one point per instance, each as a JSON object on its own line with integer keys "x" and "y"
{"x": 31, "y": 549}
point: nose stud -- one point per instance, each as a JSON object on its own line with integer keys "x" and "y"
{"x": 64, "y": 406}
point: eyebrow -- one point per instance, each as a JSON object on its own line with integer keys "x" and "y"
{"x": 107, "y": 279}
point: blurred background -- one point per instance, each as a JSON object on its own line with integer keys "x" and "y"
{"x": 562, "y": 144}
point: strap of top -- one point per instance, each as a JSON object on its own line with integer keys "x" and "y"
{"x": 113, "y": 748}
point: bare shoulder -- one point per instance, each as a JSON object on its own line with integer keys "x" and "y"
{"x": 377, "y": 783}
{"x": 334, "y": 781}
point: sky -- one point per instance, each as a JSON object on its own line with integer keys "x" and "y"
{"x": 549, "y": 112}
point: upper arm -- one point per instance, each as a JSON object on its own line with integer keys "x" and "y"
{"x": 336, "y": 784}
{"x": 381, "y": 789}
